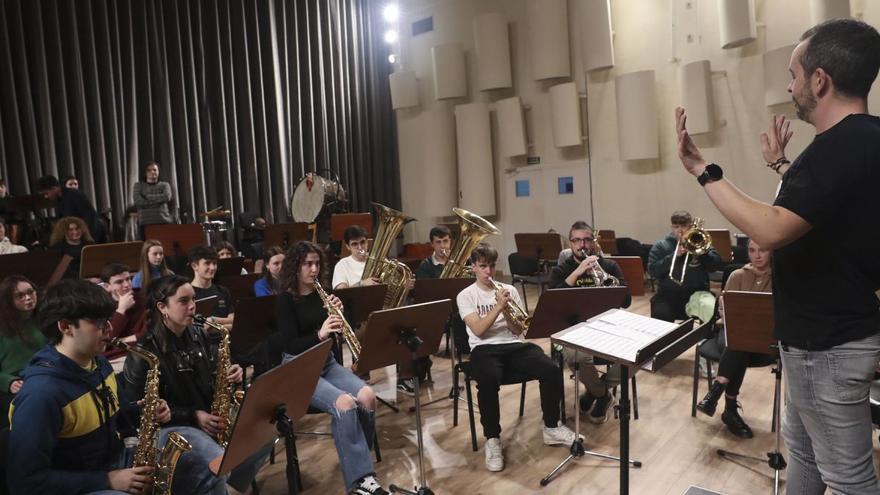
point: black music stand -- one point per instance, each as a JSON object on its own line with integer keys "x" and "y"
{"x": 176, "y": 239}
{"x": 206, "y": 306}
{"x": 645, "y": 350}
{"x": 361, "y": 301}
{"x": 272, "y": 403}
{"x": 239, "y": 285}
{"x": 95, "y": 256}
{"x": 542, "y": 247}
{"x": 43, "y": 268}
{"x": 395, "y": 335}
{"x": 285, "y": 234}
{"x": 748, "y": 326}
{"x": 256, "y": 324}
{"x": 31, "y": 203}
{"x": 230, "y": 266}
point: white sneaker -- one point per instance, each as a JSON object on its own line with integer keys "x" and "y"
{"x": 494, "y": 455}
{"x": 561, "y": 435}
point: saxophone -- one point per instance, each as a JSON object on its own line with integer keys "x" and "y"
{"x": 148, "y": 430}
{"x": 348, "y": 335}
{"x": 225, "y": 400}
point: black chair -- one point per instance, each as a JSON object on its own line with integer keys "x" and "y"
{"x": 464, "y": 368}
{"x": 527, "y": 271}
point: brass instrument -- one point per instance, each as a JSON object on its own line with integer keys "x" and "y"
{"x": 473, "y": 229}
{"x": 600, "y": 277}
{"x": 396, "y": 275}
{"x": 147, "y": 454}
{"x": 348, "y": 335}
{"x": 696, "y": 242}
{"x": 514, "y": 313}
{"x": 225, "y": 400}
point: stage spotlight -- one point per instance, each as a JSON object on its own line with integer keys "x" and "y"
{"x": 392, "y": 58}
{"x": 390, "y": 36}
{"x": 391, "y": 12}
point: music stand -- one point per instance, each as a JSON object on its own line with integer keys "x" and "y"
{"x": 176, "y": 239}
{"x": 542, "y": 247}
{"x": 628, "y": 340}
{"x": 43, "y": 268}
{"x": 748, "y": 326}
{"x": 255, "y": 329}
{"x": 361, "y": 301}
{"x": 272, "y": 403}
{"x": 239, "y": 285}
{"x": 95, "y": 256}
{"x": 285, "y": 234}
{"x": 230, "y": 266}
{"x": 206, "y": 306}
{"x": 31, "y": 203}
{"x": 340, "y": 221}
{"x": 395, "y": 335}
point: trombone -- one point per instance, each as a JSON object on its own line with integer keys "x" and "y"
{"x": 696, "y": 242}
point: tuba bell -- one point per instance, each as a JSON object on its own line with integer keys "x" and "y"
{"x": 473, "y": 229}
{"x": 392, "y": 273}
{"x": 696, "y": 242}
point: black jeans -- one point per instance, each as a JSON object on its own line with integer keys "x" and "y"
{"x": 494, "y": 365}
{"x": 733, "y": 367}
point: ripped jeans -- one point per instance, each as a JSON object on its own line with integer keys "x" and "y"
{"x": 354, "y": 429}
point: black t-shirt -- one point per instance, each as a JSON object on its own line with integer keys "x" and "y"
{"x": 224, "y": 305}
{"x": 299, "y": 320}
{"x": 824, "y": 282}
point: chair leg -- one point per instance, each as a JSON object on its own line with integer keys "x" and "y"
{"x": 455, "y": 396}
{"x": 254, "y": 488}
{"x": 522, "y": 400}
{"x": 696, "y": 382}
{"x": 709, "y": 373}
{"x": 560, "y": 362}
{"x": 525, "y": 298}
{"x": 376, "y": 446}
{"x": 635, "y": 398}
{"x": 470, "y": 401}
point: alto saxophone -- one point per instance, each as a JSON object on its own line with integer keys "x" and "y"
{"x": 514, "y": 313}
{"x": 348, "y": 336}
{"x": 225, "y": 400}
{"x": 147, "y": 454}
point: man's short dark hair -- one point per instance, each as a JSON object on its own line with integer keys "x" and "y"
{"x": 848, "y": 50}
{"x": 201, "y": 252}
{"x": 484, "y": 252}
{"x": 47, "y": 182}
{"x": 72, "y": 300}
{"x": 111, "y": 270}
{"x": 353, "y": 232}
{"x": 438, "y": 232}
{"x": 579, "y": 225}
{"x": 681, "y": 217}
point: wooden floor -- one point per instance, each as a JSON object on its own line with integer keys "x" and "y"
{"x": 677, "y": 450}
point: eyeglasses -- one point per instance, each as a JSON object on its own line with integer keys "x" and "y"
{"x": 101, "y": 324}
{"x": 582, "y": 240}
{"x": 21, "y": 296}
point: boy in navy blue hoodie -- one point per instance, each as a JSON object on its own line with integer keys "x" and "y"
{"x": 63, "y": 422}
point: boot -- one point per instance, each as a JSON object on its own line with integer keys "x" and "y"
{"x": 709, "y": 403}
{"x": 735, "y": 423}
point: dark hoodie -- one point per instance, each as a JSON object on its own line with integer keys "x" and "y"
{"x": 63, "y": 433}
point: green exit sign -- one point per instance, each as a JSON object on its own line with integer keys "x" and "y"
{"x": 533, "y": 160}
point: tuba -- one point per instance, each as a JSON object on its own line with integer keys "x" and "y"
{"x": 473, "y": 229}
{"x": 696, "y": 242}
{"x": 224, "y": 398}
{"x": 516, "y": 316}
{"x": 348, "y": 335}
{"x": 392, "y": 273}
{"x": 148, "y": 430}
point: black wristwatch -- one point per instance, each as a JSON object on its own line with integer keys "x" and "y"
{"x": 711, "y": 173}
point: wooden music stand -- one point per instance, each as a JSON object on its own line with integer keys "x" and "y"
{"x": 31, "y": 202}
{"x": 239, "y": 285}
{"x": 341, "y": 221}
{"x": 543, "y": 246}
{"x": 229, "y": 266}
{"x": 721, "y": 243}
{"x": 435, "y": 289}
{"x": 256, "y": 328}
{"x": 633, "y": 271}
{"x": 95, "y": 256}
{"x": 285, "y": 234}
{"x": 176, "y": 239}
{"x": 206, "y": 306}
{"x": 43, "y": 268}
{"x": 273, "y": 402}
{"x": 359, "y": 302}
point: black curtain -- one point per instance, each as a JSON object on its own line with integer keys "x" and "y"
{"x": 236, "y": 99}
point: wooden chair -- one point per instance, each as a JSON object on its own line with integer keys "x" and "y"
{"x": 633, "y": 272}
{"x": 340, "y": 221}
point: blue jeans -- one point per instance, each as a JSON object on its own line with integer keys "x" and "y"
{"x": 827, "y": 423}
{"x": 353, "y": 429}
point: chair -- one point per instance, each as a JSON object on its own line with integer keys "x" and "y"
{"x": 608, "y": 242}
{"x": 527, "y": 271}
{"x": 464, "y": 367}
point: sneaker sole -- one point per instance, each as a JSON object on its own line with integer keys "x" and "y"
{"x": 495, "y": 470}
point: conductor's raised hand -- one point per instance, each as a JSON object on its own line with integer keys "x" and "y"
{"x": 774, "y": 141}
{"x": 688, "y": 152}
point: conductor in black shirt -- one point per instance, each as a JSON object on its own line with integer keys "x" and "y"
{"x": 72, "y": 203}
{"x": 827, "y": 319}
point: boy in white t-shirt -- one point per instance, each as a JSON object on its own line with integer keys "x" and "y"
{"x": 498, "y": 356}
{"x": 349, "y": 270}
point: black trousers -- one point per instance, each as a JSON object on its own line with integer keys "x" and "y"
{"x": 669, "y": 307}
{"x": 733, "y": 367}
{"x": 494, "y": 365}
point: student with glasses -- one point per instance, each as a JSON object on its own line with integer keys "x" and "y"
{"x": 20, "y": 336}
{"x": 578, "y": 271}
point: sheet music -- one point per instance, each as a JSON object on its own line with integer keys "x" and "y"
{"x": 617, "y": 333}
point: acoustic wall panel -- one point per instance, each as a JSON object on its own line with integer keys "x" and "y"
{"x": 548, "y": 37}
{"x": 637, "y": 116}
{"x": 776, "y": 75}
{"x": 597, "y": 42}
{"x": 476, "y": 179}
{"x": 695, "y": 83}
{"x": 566, "y": 116}
{"x": 737, "y": 22}
{"x": 492, "y": 47}
{"x": 825, "y": 10}
{"x": 450, "y": 75}
{"x": 511, "y": 127}
{"x": 404, "y": 89}
{"x": 438, "y": 162}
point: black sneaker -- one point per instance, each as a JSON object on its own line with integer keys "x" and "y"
{"x": 407, "y": 386}
{"x": 736, "y": 424}
{"x": 586, "y": 402}
{"x": 368, "y": 485}
{"x": 599, "y": 414}
{"x": 709, "y": 403}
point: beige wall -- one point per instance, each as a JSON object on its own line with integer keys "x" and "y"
{"x": 634, "y": 198}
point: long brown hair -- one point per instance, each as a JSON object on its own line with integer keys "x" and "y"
{"x": 59, "y": 230}
{"x": 146, "y": 277}
{"x": 293, "y": 260}
{"x": 274, "y": 283}
{"x": 11, "y": 321}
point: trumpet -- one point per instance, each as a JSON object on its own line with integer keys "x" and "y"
{"x": 514, "y": 313}
{"x": 696, "y": 242}
{"x": 600, "y": 277}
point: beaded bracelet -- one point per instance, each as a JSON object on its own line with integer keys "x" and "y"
{"x": 778, "y": 164}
